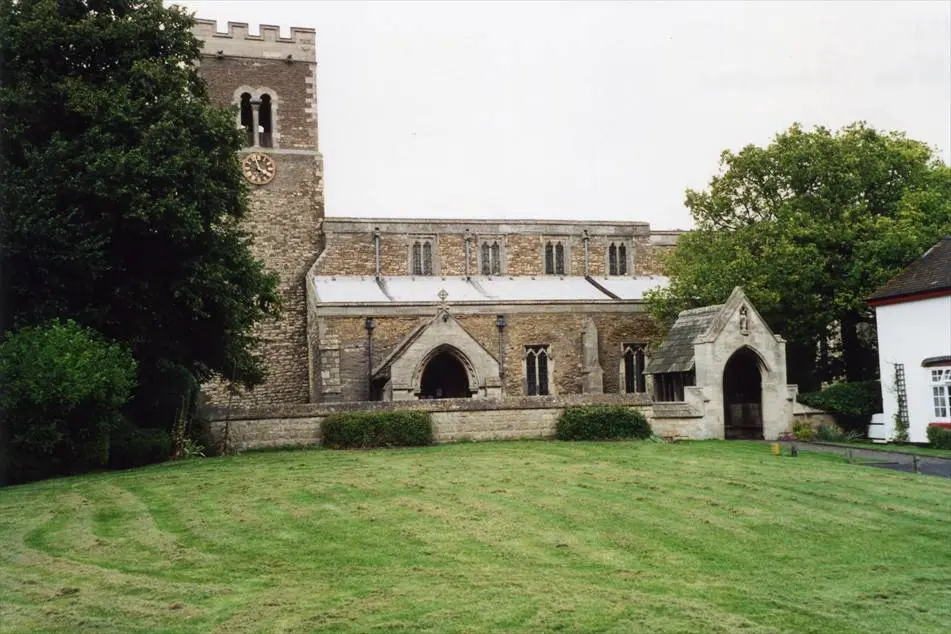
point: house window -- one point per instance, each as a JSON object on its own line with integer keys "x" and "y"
{"x": 491, "y": 254}
{"x": 941, "y": 392}
{"x": 554, "y": 258}
{"x": 617, "y": 259}
{"x": 536, "y": 370}
{"x": 634, "y": 361}
{"x": 421, "y": 258}
{"x": 670, "y": 386}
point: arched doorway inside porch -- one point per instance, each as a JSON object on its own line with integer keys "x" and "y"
{"x": 743, "y": 396}
{"x": 444, "y": 377}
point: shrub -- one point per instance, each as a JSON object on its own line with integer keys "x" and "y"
{"x": 601, "y": 422}
{"x": 939, "y": 437}
{"x": 803, "y": 430}
{"x": 62, "y": 389}
{"x": 131, "y": 446}
{"x": 852, "y": 404}
{"x": 361, "y": 430}
{"x": 828, "y": 432}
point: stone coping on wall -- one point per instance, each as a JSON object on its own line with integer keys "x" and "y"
{"x": 675, "y": 410}
{"x": 310, "y": 410}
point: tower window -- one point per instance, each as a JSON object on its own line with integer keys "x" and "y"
{"x": 247, "y": 119}
{"x": 265, "y": 123}
{"x": 554, "y": 258}
{"x": 536, "y": 370}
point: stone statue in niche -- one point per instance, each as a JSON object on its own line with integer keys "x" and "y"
{"x": 744, "y": 321}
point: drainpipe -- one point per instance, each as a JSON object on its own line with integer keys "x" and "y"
{"x": 376, "y": 250}
{"x": 468, "y": 241}
{"x": 585, "y": 239}
{"x": 500, "y": 323}
{"x": 369, "y": 325}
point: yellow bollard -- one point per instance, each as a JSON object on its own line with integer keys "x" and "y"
{"x": 774, "y": 447}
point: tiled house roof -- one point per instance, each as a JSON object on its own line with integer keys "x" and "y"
{"x": 929, "y": 273}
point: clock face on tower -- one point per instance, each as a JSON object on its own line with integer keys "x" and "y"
{"x": 258, "y": 168}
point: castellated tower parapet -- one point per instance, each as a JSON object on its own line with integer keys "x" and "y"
{"x": 237, "y": 41}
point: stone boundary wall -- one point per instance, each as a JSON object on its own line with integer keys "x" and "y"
{"x": 453, "y": 419}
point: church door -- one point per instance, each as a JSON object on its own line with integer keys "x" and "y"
{"x": 743, "y": 396}
{"x": 444, "y": 377}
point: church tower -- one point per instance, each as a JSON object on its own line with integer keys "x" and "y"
{"x": 272, "y": 83}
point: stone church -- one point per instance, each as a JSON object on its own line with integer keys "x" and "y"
{"x": 381, "y": 309}
{"x": 434, "y": 311}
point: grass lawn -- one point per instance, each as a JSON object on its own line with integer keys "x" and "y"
{"x": 518, "y": 536}
{"x": 898, "y": 448}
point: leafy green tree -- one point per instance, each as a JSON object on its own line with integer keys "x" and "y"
{"x": 810, "y": 226}
{"x": 121, "y": 192}
{"x": 63, "y": 392}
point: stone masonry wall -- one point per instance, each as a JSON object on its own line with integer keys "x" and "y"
{"x": 350, "y": 248}
{"x": 284, "y": 218}
{"x": 284, "y": 215}
{"x": 560, "y": 330}
{"x": 453, "y": 419}
{"x": 291, "y": 87}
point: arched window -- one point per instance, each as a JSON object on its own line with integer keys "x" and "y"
{"x": 549, "y": 259}
{"x": 634, "y": 381}
{"x": 265, "y": 122}
{"x": 559, "y": 259}
{"x": 486, "y": 264}
{"x": 496, "y": 259}
{"x": 536, "y": 370}
{"x": 247, "y": 118}
{"x": 622, "y": 260}
{"x": 417, "y": 264}
{"x": 612, "y": 260}
{"x": 427, "y": 258}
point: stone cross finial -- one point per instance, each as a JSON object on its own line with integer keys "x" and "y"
{"x": 443, "y": 305}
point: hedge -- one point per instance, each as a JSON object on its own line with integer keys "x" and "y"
{"x": 361, "y": 430}
{"x": 130, "y": 446}
{"x": 939, "y": 437}
{"x": 601, "y": 422}
{"x": 852, "y": 404}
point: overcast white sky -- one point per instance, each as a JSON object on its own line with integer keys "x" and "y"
{"x": 594, "y": 110}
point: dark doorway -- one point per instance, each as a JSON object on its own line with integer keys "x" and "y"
{"x": 444, "y": 377}
{"x": 743, "y": 396}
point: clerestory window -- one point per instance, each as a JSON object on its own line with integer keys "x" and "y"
{"x": 491, "y": 255}
{"x": 554, "y": 258}
{"x": 617, "y": 259}
{"x": 421, "y": 258}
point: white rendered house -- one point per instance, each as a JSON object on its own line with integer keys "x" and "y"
{"x": 913, "y": 311}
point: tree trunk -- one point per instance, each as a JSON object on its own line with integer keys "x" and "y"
{"x": 801, "y": 365}
{"x": 855, "y": 355}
